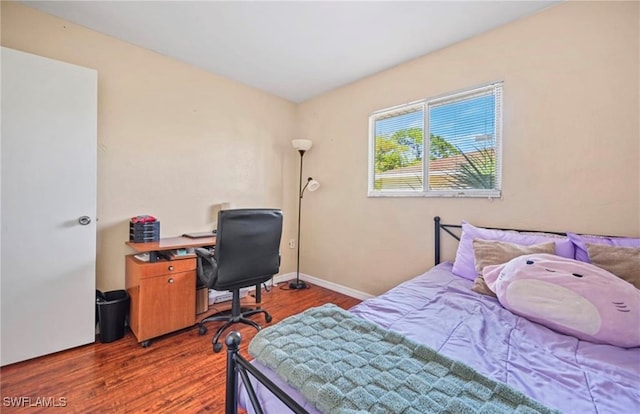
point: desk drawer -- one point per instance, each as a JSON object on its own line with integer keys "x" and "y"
{"x": 167, "y": 303}
{"x": 142, "y": 270}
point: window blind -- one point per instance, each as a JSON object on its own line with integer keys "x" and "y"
{"x": 460, "y": 157}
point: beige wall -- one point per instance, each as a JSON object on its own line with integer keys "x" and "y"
{"x": 571, "y": 143}
{"x": 173, "y": 140}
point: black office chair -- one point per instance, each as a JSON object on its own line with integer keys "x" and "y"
{"x": 247, "y": 253}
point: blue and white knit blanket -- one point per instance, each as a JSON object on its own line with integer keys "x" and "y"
{"x": 344, "y": 364}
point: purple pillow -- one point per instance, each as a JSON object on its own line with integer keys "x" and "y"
{"x": 464, "y": 264}
{"x": 580, "y": 242}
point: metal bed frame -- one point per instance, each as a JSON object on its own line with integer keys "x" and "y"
{"x": 447, "y": 228}
{"x": 237, "y": 365}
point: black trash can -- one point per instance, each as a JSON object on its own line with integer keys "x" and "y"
{"x": 111, "y": 311}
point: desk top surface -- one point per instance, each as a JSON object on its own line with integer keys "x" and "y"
{"x": 171, "y": 243}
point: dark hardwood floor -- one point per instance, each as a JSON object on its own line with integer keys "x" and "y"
{"x": 178, "y": 372}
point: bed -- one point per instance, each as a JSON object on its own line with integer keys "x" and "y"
{"x": 444, "y": 311}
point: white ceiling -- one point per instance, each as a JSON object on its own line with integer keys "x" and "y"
{"x": 293, "y": 49}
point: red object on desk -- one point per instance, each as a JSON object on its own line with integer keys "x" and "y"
{"x": 143, "y": 219}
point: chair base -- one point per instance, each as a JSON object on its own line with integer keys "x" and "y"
{"x": 237, "y": 314}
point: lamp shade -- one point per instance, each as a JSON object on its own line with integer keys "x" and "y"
{"x": 313, "y": 185}
{"x": 302, "y": 144}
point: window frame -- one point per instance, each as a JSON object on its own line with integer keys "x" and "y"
{"x": 496, "y": 192}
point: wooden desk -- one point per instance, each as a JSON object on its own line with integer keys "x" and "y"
{"x": 163, "y": 293}
{"x": 172, "y": 243}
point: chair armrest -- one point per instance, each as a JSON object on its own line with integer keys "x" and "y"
{"x": 207, "y": 269}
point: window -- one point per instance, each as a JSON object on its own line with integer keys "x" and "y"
{"x": 460, "y": 158}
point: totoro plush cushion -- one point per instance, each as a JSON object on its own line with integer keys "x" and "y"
{"x": 569, "y": 296}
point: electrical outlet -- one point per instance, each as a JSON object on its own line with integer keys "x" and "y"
{"x": 292, "y": 243}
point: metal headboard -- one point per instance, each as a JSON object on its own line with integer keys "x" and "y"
{"x": 447, "y": 228}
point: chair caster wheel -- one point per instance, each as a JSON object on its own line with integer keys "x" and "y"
{"x": 217, "y": 348}
{"x": 267, "y": 318}
{"x": 202, "y": 330}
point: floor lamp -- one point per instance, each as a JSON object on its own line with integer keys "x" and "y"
{"x": 302, "y": 145}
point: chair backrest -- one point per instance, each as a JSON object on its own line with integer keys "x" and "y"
{"x": 247, "y": 250}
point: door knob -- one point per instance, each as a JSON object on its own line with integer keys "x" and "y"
{"x": 84, "y": 220}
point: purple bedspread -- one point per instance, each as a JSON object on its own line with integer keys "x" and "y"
{"x": 440, "y": 310}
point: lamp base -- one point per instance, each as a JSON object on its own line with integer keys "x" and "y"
{"x": 298, "y": 284}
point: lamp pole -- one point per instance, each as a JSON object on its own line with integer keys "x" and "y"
{"x": 299, "y": 284}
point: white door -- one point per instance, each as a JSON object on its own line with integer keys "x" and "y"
{"x": 48, "y": 150}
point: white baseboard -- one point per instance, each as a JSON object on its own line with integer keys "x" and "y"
{"x": 325, "y": 284}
